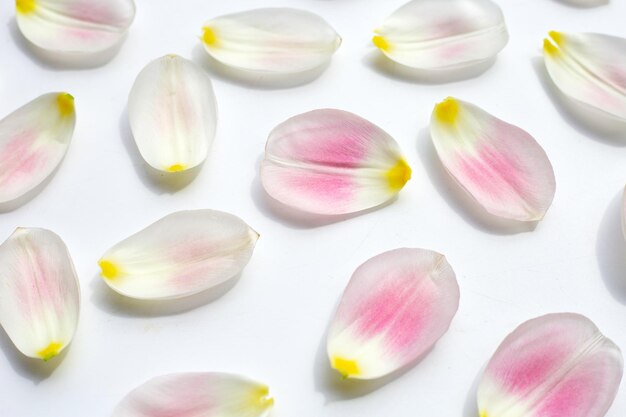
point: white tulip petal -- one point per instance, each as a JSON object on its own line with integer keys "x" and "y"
{"x": 443, "y": 34}
{"x": 39, "y": 293}
{"x": 332, "y": 162}
{"x": 590, "y": 69}
{"x": 173, "y": 114}
{"x": 396, "y": 306}
{"x": 558, "y": 365}
{"x": 182, "y": 254}
{"x": 197, "y": 395}
{"x": 75, "y": 27}
{"x": 33, "y": 142}
{"x": 586, "y": 3}
{"x": 624, "y": 213}
{"x": 275, "y": 40}
{"x": 500, "y": 165}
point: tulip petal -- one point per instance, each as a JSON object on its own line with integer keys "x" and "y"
{"x": 498, "y": 164}
{"x": 589, "y": 68}
{"x": 77, "y": 27}
{"x": 332, "y": 162}
{"x": 552, "y": 366}
{"x": 173, "y": 114}
{"x": 436, "y": 34}
{"x": 197, "y": 395}
{"x": 396, "y": 306}
{"x": 276, "y": 40}
{"x": 33, "y": 142}
{"x": 182, "y": 254}
{"x": 587, "y": 3}
{"x": 39, "y": 293}
{"x": 624, "y": 213}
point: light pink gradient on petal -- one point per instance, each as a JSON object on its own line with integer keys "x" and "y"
{"x": 552, "y": 366}
{"x": 396, "y": 306}
{"x": 329, "y": 162}
{"x": 500, "y": 165}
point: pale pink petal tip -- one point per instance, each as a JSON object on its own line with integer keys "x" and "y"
{"x": 182, "y": 254}
{"x": 552, "y": 366}
{"x": 500, "y": 165}
{"x": 332, "y": 162}
{"x": 590, "y": 69}
{"x": 33, "y": 142}
{"x": 39, "y": 293}
{"x": 197, "y": 394}
{"x": 395, "y": 308}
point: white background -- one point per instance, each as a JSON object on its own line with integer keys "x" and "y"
{"x": 271, "y": 324}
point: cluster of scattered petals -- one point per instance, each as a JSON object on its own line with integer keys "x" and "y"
{"x": 552, "y": 366}
{"x": 39, "y": 293}
{"x": 182, "y": 254}
{"x": 332, "y": 162}
{"x": 273, "y": 40}
{"x": 443, "y": 34}
{"x": 173, "y": 114}
{"x": 33, "y": 142}
{"x": 197, "y": 394}
{"x": 75, "y": 27}
{"x": 589, "y": 68}
{"x": 396, "y": 306}
{"x": 500, "y": 165}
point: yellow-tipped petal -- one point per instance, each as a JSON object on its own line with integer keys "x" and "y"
{"x": 65, "y": 103}
{"x": 25, "y": 6}
{"x": 346, "y": 367}
{"x": 109, "y": 269}
{"x": 52, "y": 350}
{"x": 447, "y": 111}
{"x": 399, "y": 175}
{"x": 381, "y": 43}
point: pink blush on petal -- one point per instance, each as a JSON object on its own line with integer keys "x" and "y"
{"x": 398, "y": 311}
{"x": 324, "y": 187}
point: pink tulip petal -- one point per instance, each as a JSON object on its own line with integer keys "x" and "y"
{"x": 77, "y": 27}
{"x": 396, "y": 306}
{"x": 589, "y": 68}
{"x": 33, "y": 142}
{"x": 552, "y": 366}
{"x": 197, "y": 395}
{"x": 39, "y": 293}
{"x": 332, "y": 162}
{"x": 498, "y": 164}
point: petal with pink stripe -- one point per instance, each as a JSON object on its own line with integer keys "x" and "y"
{"x": 182, "y": 254}
{"x": 173, "y": 114}
{"x": 440, "y": 35}
{"x": 39, "y": 293}
{"x": 75, "y": 27}
{"x": 33, "y": 142}
{"x": 589, "y": 68}
{"x": 197, "y": 395}
{"x": 552, "y": 366}
{"x": 395, "y": 308}
{"x": 500, "y": 165}
{"x": 332, "y": 162}
{"x": 277, "y": 40}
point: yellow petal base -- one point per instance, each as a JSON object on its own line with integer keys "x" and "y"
{"x": 25, "y": 6}
{"x": 399, "y": 175}
{"x": 381, "y": 43}
{"x": 209, "y": 37}
{"x": 109, "y": 269}
{"x": 261, "y": 398}
{"x": 447, "y": 112}
{"x": 176, "y": 168}
{"x": 50, "y": 351}
{"x": 345, "y": 367}
{"x": 65, "y": 103}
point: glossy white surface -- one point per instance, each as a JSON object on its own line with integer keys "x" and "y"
{"x": 270, "y": 326}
